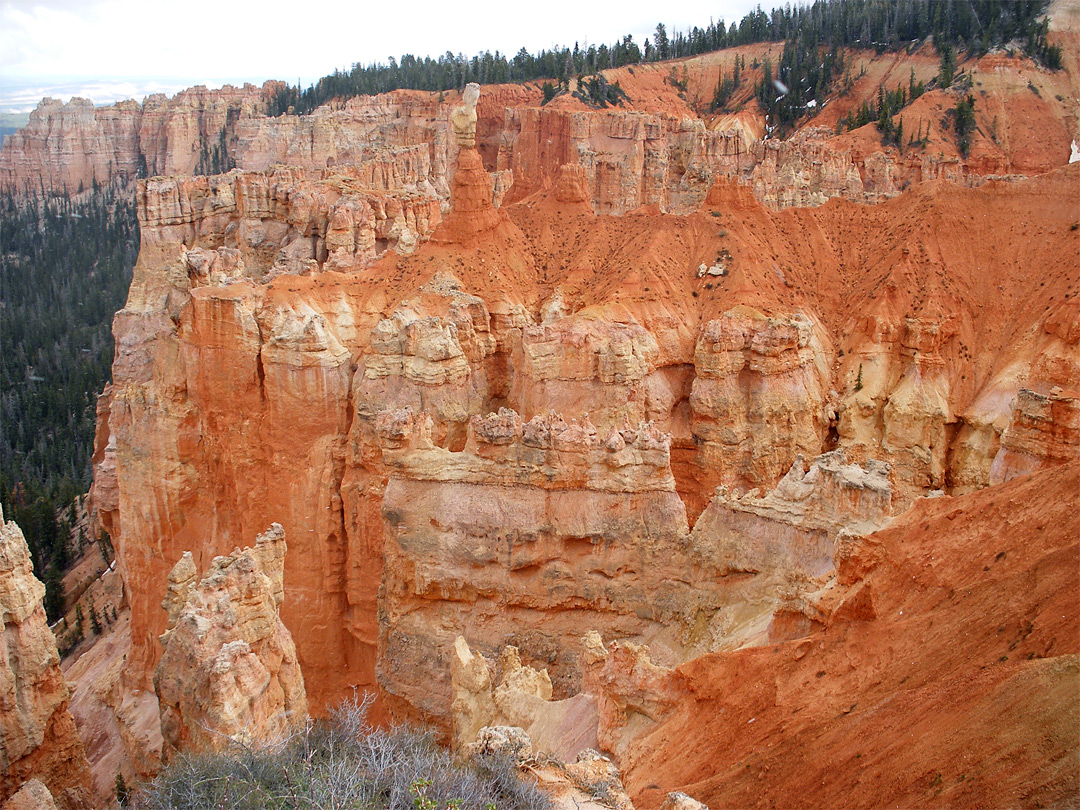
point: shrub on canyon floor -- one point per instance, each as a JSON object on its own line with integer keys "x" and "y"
{"x": 342, "y": 763}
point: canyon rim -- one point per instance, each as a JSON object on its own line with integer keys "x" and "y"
{"x": 736, "y": 463}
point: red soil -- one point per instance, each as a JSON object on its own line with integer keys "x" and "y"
{"x": 949, "y": 678}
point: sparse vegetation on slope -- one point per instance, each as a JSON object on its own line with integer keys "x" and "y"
{"x": 343, "y": 763}
{"x": 825, "y": 26}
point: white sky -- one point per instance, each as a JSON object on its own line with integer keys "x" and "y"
{"x": 110, "y": 49}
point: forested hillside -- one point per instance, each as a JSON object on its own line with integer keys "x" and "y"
{"x": 64, "y": 270}
{"x": 973, "y": 27}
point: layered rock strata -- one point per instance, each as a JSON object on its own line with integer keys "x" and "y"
{"x": 900, "y": 400}
{"x": 760, "y": 396}
{"x": 1002, "y": 674}
{"x": 471, "y": 535}
{"x": 1044, "y": 417}
{"x": 1044, "y": 431}
{"x": 69, "y": 147}
{"x": 228, "y": 671}
{"x": 761, "y": 569}
{"x": 633, "y": 159}
{"x": 38, "y": 736}
{"x": 534, "y": 520}
{"x": 253, "y": 225}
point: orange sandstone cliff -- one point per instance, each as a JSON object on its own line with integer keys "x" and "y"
{"x": 261, "y": 379}
{"x": 633, "y": 428}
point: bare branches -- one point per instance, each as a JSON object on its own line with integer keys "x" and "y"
{"x": 342, "y": 764}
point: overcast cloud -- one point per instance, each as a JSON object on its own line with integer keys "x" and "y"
{"x": 110, "y": 49}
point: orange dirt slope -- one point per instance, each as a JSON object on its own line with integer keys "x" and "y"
{"x": 948, "y": 675}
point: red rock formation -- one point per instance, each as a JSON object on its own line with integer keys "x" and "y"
{"x": 499, "y": 530}
{"x": 632, "y": 692}
{"x": 38, "y": 738}
{"x": 657, "y": 150}
{"x": 473, "y": 211}
{"x": 254, "y": 382}
{"x": 759, "y": 397}
{"x": 228, "y": 671}
{"x": 1044, "y": 431}
{"x": 471, "y": 537}
{"x": 1044, "y": 423}
{"x": 71, "y": 146}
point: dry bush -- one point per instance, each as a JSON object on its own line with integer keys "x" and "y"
{"x": 342, "y": 763}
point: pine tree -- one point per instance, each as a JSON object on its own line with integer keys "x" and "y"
{"x": 121, "y": 790}
{"x": 964, "y": 123}
{"x": 948, "y": 66}
{"x": 95, "y": 622}
{"x": 54, "y": 592}
{"x": 663, "y": 49}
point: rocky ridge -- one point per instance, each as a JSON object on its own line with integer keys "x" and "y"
{"x": 72, "y": 146}
{"x": 662, "y": 151}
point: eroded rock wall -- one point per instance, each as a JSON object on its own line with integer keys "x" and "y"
{"x": 38, "y": 735}
{"x": 760, "y": 396}
{"x": 529, "y": 527}
{"x": 502, "y": 422}
{"x": 69, "y": 147}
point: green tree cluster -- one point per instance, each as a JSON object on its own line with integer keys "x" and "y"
{"x": 964, "y": 123}
{"x": 215, "y": 158}
{"x": 804, "y": 75}
{"x": 727, "y": 85}
{"x": 65, "y": 268}
{"x": 883, "y": 111}
{"x": 973, "y": 26}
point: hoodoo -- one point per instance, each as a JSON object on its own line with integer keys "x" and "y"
{"x": 228, "y": 672}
